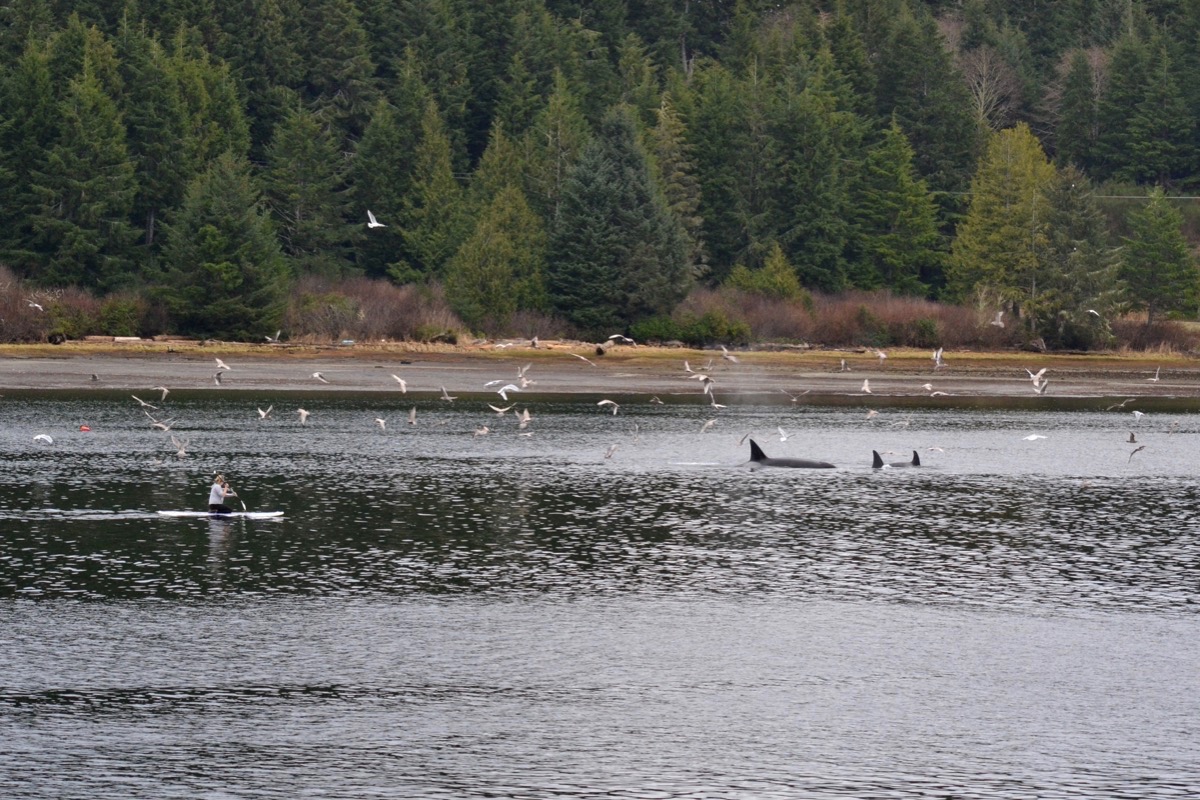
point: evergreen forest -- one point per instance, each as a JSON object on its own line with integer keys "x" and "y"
{"x": 206, "y": 168}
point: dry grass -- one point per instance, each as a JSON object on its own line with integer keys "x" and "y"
{"x": 367, "y": 310}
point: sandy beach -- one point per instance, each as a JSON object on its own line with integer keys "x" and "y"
{"x": 559, "y": 368}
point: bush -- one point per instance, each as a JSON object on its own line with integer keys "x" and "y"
{"x": 122, "y": 315}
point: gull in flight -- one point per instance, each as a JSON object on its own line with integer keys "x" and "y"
{"x": 1036, "y": 377}
{"x": 1120, "y": 404}
{"x": 795, "y": 397}
{"x": 872, "y": 414}
{"x": 500, "y": 411}
{"x": 303, "y": 416}
{"x": 446, "y": 396}
{"x": 783, "y": 437}
{"x": 612, "y": 448}
{"x": 264, "y": 414}
{"x": 165, "y": 391}
{"x": 1034, "y": 437}
{"x": 707, "y": 424}
{"x": 1040, "y": 388}
{"x": 998, "y": 321}
{"x": 1136, "y": 450}
{"x": 938, "y": 363}
{"x": 504, "y": 390}
{"x": 162, "y": 426}
{"x": 523, "y": 419}
{"x": 614, "y": 405}
{"x": 882, "y": 356}
{"x": 581, "y": 358}
{"x": 412, "y": 416}
{"x": 34, "y": 305}
{"x": 1154, "y": 379}
{"x": 866, "y": 387}
{"x": 143, "y": 403}
{"x": 482, "y": 430}
{"x": 844, "y": 368}
{"x": 372, "y": 222}
{"x": 382, "y": 423}
{"x": 41, "y": 437}
{"x": 320, "y": 377}
{"x": 221, "y": 364}
{"x": 712, "y": 401}
{"x": 728, "y": 356}
{"x": 655, "y": 401}
{"x": 274, "y": 339}
{"x": 217, "y": 378}
{"x": 180, "y": 447}
{"x": 1138, "y": 415}
{"x": 621, "y": 339}
{"x": 403, "y": 384}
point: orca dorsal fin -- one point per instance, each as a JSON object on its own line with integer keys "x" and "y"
{"x": 877, "y": 462}
{"x": 916, "y": 459}
{"x": 756, "y": 453}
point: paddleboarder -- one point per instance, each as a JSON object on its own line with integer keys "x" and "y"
{"x": 220, "y": 490}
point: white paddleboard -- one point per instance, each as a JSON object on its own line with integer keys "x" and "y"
{"x": 240, "y": 514}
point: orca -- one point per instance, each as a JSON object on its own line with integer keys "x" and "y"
{"x": 759, "y": 459}
{"x": 878, "y": 462}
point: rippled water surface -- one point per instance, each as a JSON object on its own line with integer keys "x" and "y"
{"x": 445, "y": 614}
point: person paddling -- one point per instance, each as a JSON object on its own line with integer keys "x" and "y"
{"x": 220, "y": 490}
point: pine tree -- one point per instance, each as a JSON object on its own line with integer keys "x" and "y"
{"x": 1078, "y": 114}
{"x": 1161, "y": 129}
{"x": 1123, "y": 92}
{"x": 896, "y": 221}
{"x": 305, "y": 188}
{"x": 86, "y": 193}
{"x": 216, "y": 121}
{"x": 228, "y": 277}
{"x": 997, "y": 249}
{"x": 498, "y": 269}
{"x": 432, "y": 220}
{"x": 340, "y": 75}
{"x": 1158, "y": 266}
{"x": 675, "y": 170}
{"x": 615, "y": 255}
{"x": 554, "y": 143}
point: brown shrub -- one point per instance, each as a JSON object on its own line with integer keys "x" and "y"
{"x": 367, "y": 310}
{"x": 1167, "y": 337}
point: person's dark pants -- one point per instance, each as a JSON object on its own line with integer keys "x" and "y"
{"x": 217, "y": 508}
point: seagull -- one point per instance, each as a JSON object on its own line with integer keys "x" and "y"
{"x": 499, "y": 411}
{"x": 1036, "y": 377}
{"x": 34, "y": 305}
{"x": 612, "y": 448}
{"x": 381, "y": 423}
{"x": 143, "y": 403}
{"x": 1033, "y": 437}
{"x": 217, "y": 378}
{"x": 882, "y": 356}
{"x": 712, "y": 401}
{"x": 686, "y": 366}
{"x": 504, "y": 390}
{"x": 412, "y": 416}
{"x": 482, "y": 430}
{"x": 180, "y": 447}
{"x": 998, "y": 322}
{"x": 872, "y": 414}
{"x": 1120, "y": 404}
{"x": 303, "y": 416}
{"x": 1136, "y": 450}
{"x": 1132, "y": 438}
{"x": 372, "y": 222}
{"x": 446, "y": 396}
{"x": 523, "y": 419}
{"x": 581, "y": 358}
{"x": 1040, "y": 388}
{"x": 264, "y": 414}
{"x": 1138, "y": 415}
{"x": 621, "y": 339}
{"x": 522, "y": 370}
{"x": 274, "y": 339}
{"x": 939, "y": 394}
{"x": 221, "y": 364}
{"x": 707, "y": 424}
{"x": 783, "y": 437}
{"x": 938, "y": 363}
{"x": 320, "y": 377}
{"x": 1094, "y": 313}
{"x": 403, "y": 384}
{"x": 866, "y": 387}
{"x": 41, "y": 437}
{"x": 795, "y": 397}
{"x": 844, "y": 368}
{"x": 728, "y": 356}
{"x": 162, "y": 426}
{"x": 614, "y": 405}
{"x": 655, "y": 401}
{"x": 1155, "y": 378}
{"x": 927, "y": 387}
{"x": 165, "y": 391}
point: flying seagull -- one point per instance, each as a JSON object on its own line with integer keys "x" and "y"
{"x": 143, "y": 403}
{"x": 446, "y": 396}
{"x": 1136, "y": 450}
{"x": 614, "y": 405}
{"x": 303, "y": 416}
{"x": 372, "y": 222}
{"x": 1155, "y": 378}
{"x": 504, "y": 390}
{"x": 274, "y": 339}
{"x": 866, "y": 387}
{"x": 403, "y": 384}
{"x": 320, "y": 377}
{"x": 382, "y": 423}
{"x": 221, "y": 364}
{"x": 581, "y": 358}
{"x": 728, "y": 356}
{"x": 264, "y": 414}
{"x": 412, "y": 416}
{"x": 41, "y": 437}
{"x": 998, "y": 321}
{"x": 165, "y": 391}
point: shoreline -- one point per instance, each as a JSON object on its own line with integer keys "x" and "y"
{"x": 560, "y": 368}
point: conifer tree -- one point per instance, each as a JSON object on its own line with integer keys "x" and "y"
{"x": 340, "y": 74}
{"x": 498, "y": 269}
{"x": 997, "y": 249}
{"x": 227, "y": 277}
{"x": 1078, "y": 114}
{"x": 1124, "y": 91}
{"x": 554, "y": 142}
{"x": 1157, "y": 264}
{"x": 85, "y": 193}
{"x": 305, "y": 190}
{"x": 432, "y": 219}
{"x": 1161, "y": 130}
{"x": 616, "y": 255}
{"x": 899, "y": 246}
{"x": 675, "y": 169}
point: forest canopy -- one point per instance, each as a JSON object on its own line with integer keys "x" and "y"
{"x": 596, "y": 162}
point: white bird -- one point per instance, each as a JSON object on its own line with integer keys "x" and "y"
{"x": 783, "y": 437}
{"x": 621, "y": 339}
{"x": 403, "y": 384}
{"x": 1138, "y": 414}
{"x": 1094, "y": 313}
{"x": 707, "y": 424}
{"x": 34, "y": 305}
{"x": 165, "y": 391}
{"x": 372, "y": 222}
{"x": 938, "y": 363}
{"x": 500, "y": 411}
{"x": 882, "y": 356}
{"x": 412, "y": 416}
{"x": 795, "y": 398}
{"x": 504, "y": 390}
{"x": 712, "y": 401}
{"x": 221, "y": 364}
{"x": 143, "y": 403}
{"x": 1034, "y": 437}
{"x": 686, "y": 366}
{"x": 446, "y": 396}
{"x": 927, "y": 387}
{"x": 381, "y": 423}
{"x": 844, "y": 368}
{"x": 614, "y": 405}
{"x": 1040, "y": 388}
{"x": 264, "y": 414}
{"x": 1155, "y": 378}
{"x": 274, "y": 339}
{"x": 998, "y": 321}
{"x": 1120, "y": 404}
{"x": 1036, "y": 377}
{"x": 522, "y": 370}
{"x": 612, "y": 448}
{"x": 655, "y": 401}
{"x": 180, "y": 447}
{"x": 871, "y": 414}
{"x": 41, "y": 437}
{"x": 162, "y": 426}
{"x": 728, "y": 356}
{"x": 482, "y": 430}
{"x": 320, "y": 377}
{"x": 303, "y": 416}
{"x": 581, "y": 358}
{"x": 866, "y": 387}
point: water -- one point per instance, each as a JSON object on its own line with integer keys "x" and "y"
{"x": 441, "y": 614}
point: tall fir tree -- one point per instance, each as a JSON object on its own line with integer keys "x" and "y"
{"x": 1078, "y": 114}
{"x": 554, "y": 142}
{"x": 995, "y": 256}
{"x": 86, "y": 193}
{"x": 1124, "y": 90}
{"x": 1157, "y": 264}
{"x": 340, "y": 74}
{"x": 616, "y": 255}
{"x": 227, "y": 277}
{"x": 675, "y": 168}
{"x": 1161, "y": 131}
